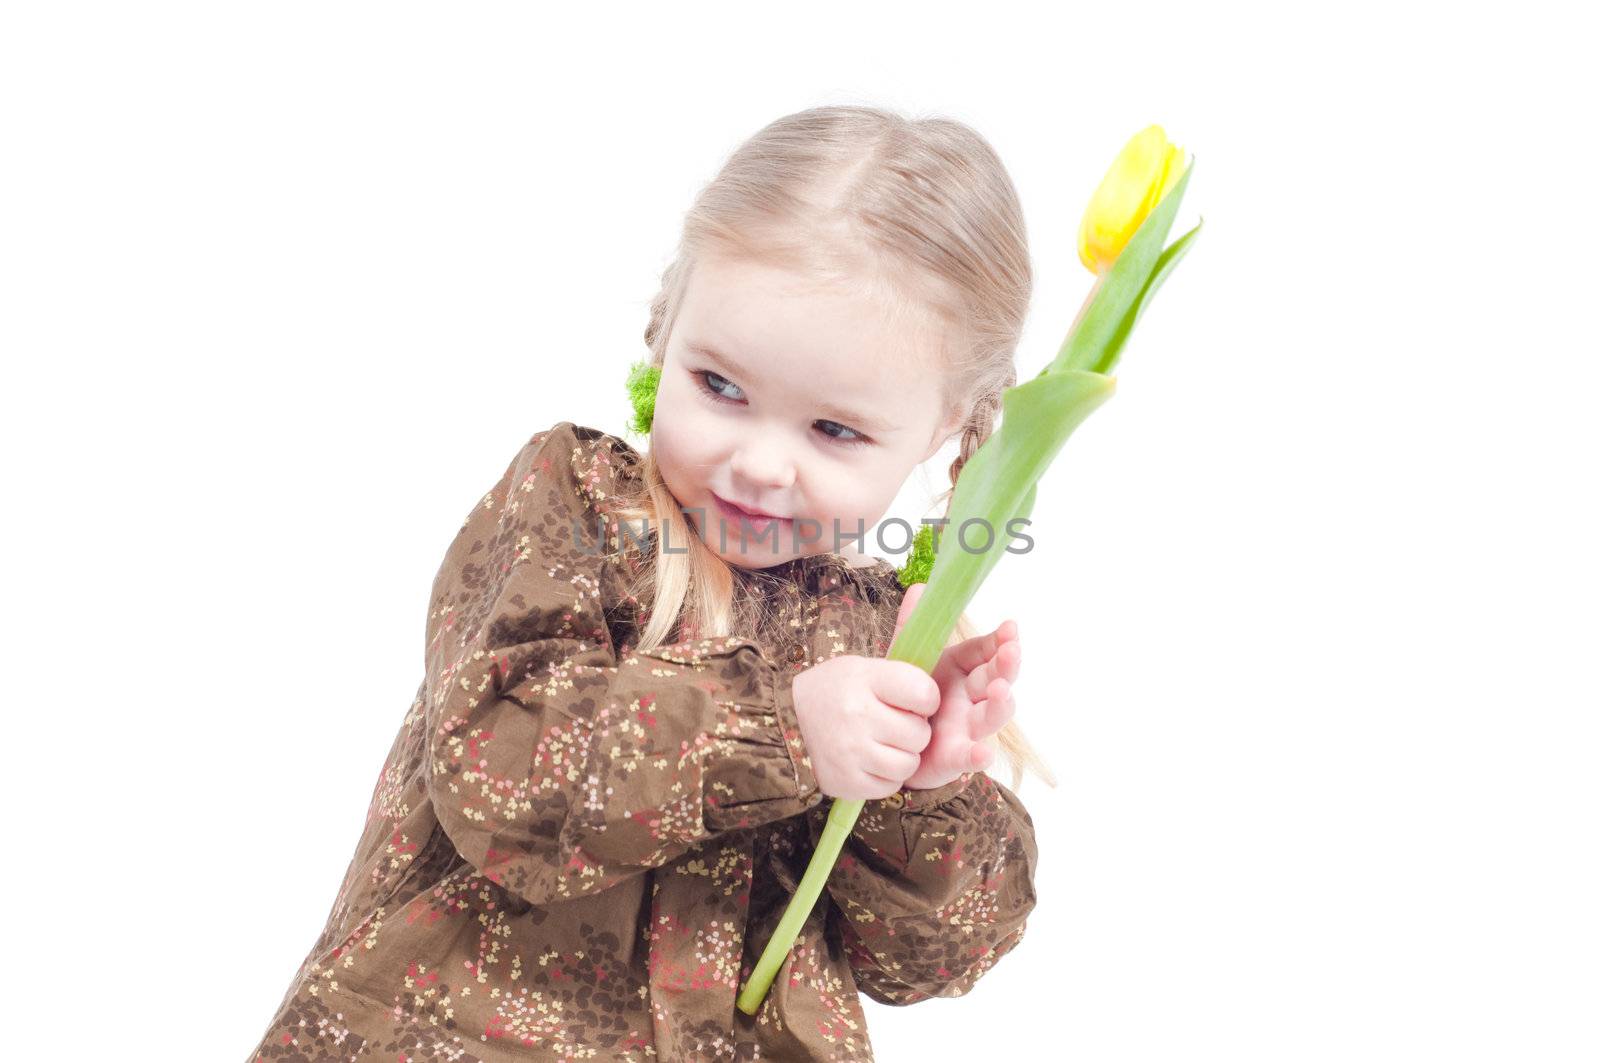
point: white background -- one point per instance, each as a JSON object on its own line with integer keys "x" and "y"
{"x": 1310, "y": 627}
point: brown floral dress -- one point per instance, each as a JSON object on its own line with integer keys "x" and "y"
{"x": 578, "y": 851}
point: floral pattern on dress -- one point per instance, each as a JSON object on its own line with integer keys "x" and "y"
{"x": 575, "y": 850}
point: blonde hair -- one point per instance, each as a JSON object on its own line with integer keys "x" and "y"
{"x": 923, "y": 211}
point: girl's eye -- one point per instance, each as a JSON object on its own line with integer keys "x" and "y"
{"x": 855, "y": 439}
{"x": 716, "y": 388}
{"x": 707, "y": 376}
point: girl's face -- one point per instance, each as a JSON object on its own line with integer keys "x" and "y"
{"x": 807, "y": 405}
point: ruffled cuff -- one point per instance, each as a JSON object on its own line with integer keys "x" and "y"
{"x": 908, "y": 800}
{"x": 886, "y": 828}
{"x": 766, "y": 774}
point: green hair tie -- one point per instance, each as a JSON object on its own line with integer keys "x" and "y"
{"x": 643, "y": 379}
{"x": 919, "y": 566}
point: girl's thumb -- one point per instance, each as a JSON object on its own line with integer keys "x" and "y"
{"x": 908, "y": 602}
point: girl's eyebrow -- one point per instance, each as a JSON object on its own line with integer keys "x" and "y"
{"x": 835, "y": 413}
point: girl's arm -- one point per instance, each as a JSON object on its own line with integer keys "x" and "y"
{"x": 559, "y": 767}
{"x": 932, "y": 887}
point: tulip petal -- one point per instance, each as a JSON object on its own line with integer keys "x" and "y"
{"x": 1132, "y": 187}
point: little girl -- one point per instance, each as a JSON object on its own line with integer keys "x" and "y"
{"x": 647, "y": 674}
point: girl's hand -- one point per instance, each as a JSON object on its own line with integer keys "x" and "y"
{"x": 975, "y": 679}
{"x": 864, "y": 723}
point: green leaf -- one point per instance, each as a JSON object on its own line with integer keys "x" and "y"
{"x": 996, "y": 486}
{"x": 1164, "y": 265}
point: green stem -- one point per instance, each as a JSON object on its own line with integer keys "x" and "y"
{"x": 841, "y": 817}
{"x": 841, "y": 820}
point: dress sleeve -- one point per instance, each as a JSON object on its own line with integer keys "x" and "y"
{"x": 932, "y": 887}
{"x": 557, "y": 765}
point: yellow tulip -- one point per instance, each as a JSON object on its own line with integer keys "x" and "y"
{"x": 1142, "y": 173}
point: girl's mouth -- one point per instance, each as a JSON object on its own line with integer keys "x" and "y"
{"x": 758, "y": 521}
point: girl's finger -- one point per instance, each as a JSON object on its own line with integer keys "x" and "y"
{"x": 995, "y": 711}
{"x": 904, "y": 730}
{"x": 1008, "y": 660}
{"x": 974, "y": 652}
{"x": 905, "y": 686}
{"x": 1005, "y": 664}
{"x": 908, "y": 602}
{"x": 978, "y": 680}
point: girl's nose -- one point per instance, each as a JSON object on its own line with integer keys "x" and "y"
{"x": 763, "y": 464}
